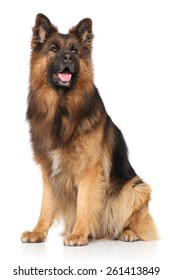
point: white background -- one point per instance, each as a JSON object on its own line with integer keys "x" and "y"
{"x": 133, "y": 62}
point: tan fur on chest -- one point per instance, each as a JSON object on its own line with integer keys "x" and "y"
{"x": 73, "y": 162}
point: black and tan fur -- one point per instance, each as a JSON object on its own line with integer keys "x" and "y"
{"x": 87, "y": 177}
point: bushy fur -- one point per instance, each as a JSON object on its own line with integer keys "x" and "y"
{"x": 87, "y": 177}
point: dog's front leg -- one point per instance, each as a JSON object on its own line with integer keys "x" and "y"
{"x": 40, "y": 231}
{"x": 89, "y": 204}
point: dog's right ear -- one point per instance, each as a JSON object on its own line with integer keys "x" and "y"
{"x": 42, "y": 30}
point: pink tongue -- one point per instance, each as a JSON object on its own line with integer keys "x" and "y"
{"x": 65, "y": 77}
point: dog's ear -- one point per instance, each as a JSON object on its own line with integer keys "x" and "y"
{"x": 83, "y": 31}
{"x": 42, "y": 30}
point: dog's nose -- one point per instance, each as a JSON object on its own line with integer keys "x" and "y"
{"x": 67, "y": 58}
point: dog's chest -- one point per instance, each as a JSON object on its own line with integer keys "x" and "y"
{"x": 63, "y": 167}
{"x": 56, "y": 163}
{"x": 63, "y": 178}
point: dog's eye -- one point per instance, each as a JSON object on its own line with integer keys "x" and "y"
{"x": 53, "y": 49}
{"x": 74, "y": 49}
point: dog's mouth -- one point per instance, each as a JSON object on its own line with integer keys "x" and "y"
{"x": 63, "y": 78}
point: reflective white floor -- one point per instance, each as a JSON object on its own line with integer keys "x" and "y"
{"x": 99, "y": 254}
{"x": 53, "y": 249}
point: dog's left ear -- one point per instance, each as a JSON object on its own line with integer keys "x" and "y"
{"x": 42, "y": 30}
{"x": 83, "y": 31}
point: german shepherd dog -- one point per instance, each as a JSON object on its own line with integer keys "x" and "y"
{"x": 88, "y": 180}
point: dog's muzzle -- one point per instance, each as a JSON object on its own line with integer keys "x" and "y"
{"x": 63, "y": 68}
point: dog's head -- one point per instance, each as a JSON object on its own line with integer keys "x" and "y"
{"x": 65, "y": 55}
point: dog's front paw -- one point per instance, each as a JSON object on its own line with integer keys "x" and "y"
{"x": 75, "y": 240}
{"x": 32, "y": 237}
{"x": 128, "y": 235}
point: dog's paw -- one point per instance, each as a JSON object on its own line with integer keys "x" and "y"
{"x": 32, "y": 237}
{"x": 128, "y": 235}
{"x": 75, "y": 240}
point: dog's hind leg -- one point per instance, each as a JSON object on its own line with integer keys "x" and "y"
{"x": 128, "y": 213}
{"x": 132, "y": 213}
{"x": 141, "y": 227}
